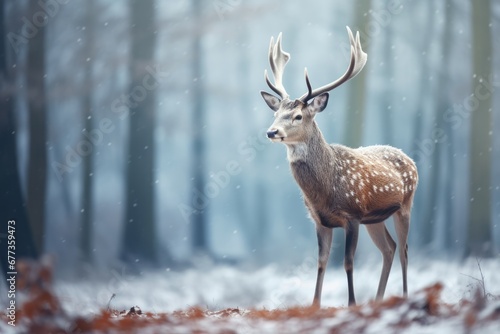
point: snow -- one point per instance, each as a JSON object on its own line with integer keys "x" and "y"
{"x": 222, "y": 297}
{"x": 268, "y": 287}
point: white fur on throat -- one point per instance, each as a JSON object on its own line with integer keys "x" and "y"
{"x": 296, "y": 152}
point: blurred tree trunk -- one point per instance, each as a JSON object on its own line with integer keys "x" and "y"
{"x": 37, "y": 105}
{"x": 448, "y": 172}
{"x": 479, "y": 242}
{"x": 139, "y": 240}
{"x": 199, "y": 222}
{"x": 438, "y": 177}
{"x": 355, "y": 111}
{"x": 357, "y": 88}
{"x": 88, "y": 160}
{"x": 388, "y": 73}
{"x": 424, "y": 89}
{"x": 13, "y": 205}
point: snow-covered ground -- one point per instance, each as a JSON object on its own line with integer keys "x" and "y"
{"x": 270, "y": 287}
{"x": 271, "y": 299}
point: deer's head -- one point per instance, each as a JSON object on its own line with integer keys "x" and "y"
{"x": 294, "y": 118}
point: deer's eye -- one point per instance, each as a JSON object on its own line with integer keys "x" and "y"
{"x": 297, "y": 118}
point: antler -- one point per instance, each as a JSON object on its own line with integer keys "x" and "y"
{"x": 277, "y": 59}
{"x": 358, "y": 61}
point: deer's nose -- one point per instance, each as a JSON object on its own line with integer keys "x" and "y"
{"x": 271, "y": 133}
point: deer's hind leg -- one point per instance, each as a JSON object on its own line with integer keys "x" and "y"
{"x": 384, "y": 242}
{"x": 402, "y": 226}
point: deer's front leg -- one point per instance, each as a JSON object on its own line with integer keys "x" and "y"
{"x": 324, "y": 245}
{"x": 351, "y": 241}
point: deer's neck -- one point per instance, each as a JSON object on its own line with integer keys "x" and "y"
{"x": 313, "y": 148}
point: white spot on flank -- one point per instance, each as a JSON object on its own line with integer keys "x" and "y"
{"x": 357, "y": 201}
{"x": 404, "y": 174}
{"x": 352, "y": 193}
{"x": 352, "y": 182}
{"x": 374, "y": 188}
{"x": 347, "y": 195}
{"x": 386, "y": 187}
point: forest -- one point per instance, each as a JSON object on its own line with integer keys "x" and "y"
{"x": 134, "y": 155}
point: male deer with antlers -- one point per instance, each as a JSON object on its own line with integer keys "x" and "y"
{"x": 342, "y": 186}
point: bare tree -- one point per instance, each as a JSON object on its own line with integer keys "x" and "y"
{"x": 13, "y": 204}
{"x": 88, "y": 160}
{"x": 199, "y": 221}
{"x": 139, "y": 239}
{"x": 479, "y": 241}
{"x": 37, "y": 105}
{"x": 355, "y": 111}
{"x": 357, "y": 92}
{"x": 424, "y": 89}
{"x": 430, "y": 222}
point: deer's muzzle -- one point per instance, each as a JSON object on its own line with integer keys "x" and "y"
{"x": 272, "y": 133}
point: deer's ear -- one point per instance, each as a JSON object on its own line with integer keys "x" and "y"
{"x": 319, "y": 103}
{"x": 272, "y": 101}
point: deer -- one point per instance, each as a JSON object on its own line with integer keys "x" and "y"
{"x": 342, "y": 186}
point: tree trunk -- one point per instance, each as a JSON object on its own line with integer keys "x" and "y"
{"x": 13, "y": 205}
{"x": 479, "y": 241}
{"x": 88, "y": 160}
{"x": 37, "y": 168}
{"x": 357, "y": 87}
{"x": 437, "y": 177}
{"x": 139, "y": 240}
{"x": 387, "y": 117}
{"x": 424, "y": 89}
{"x": 355, "y": 113}
{"x": 199, "y": 222}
